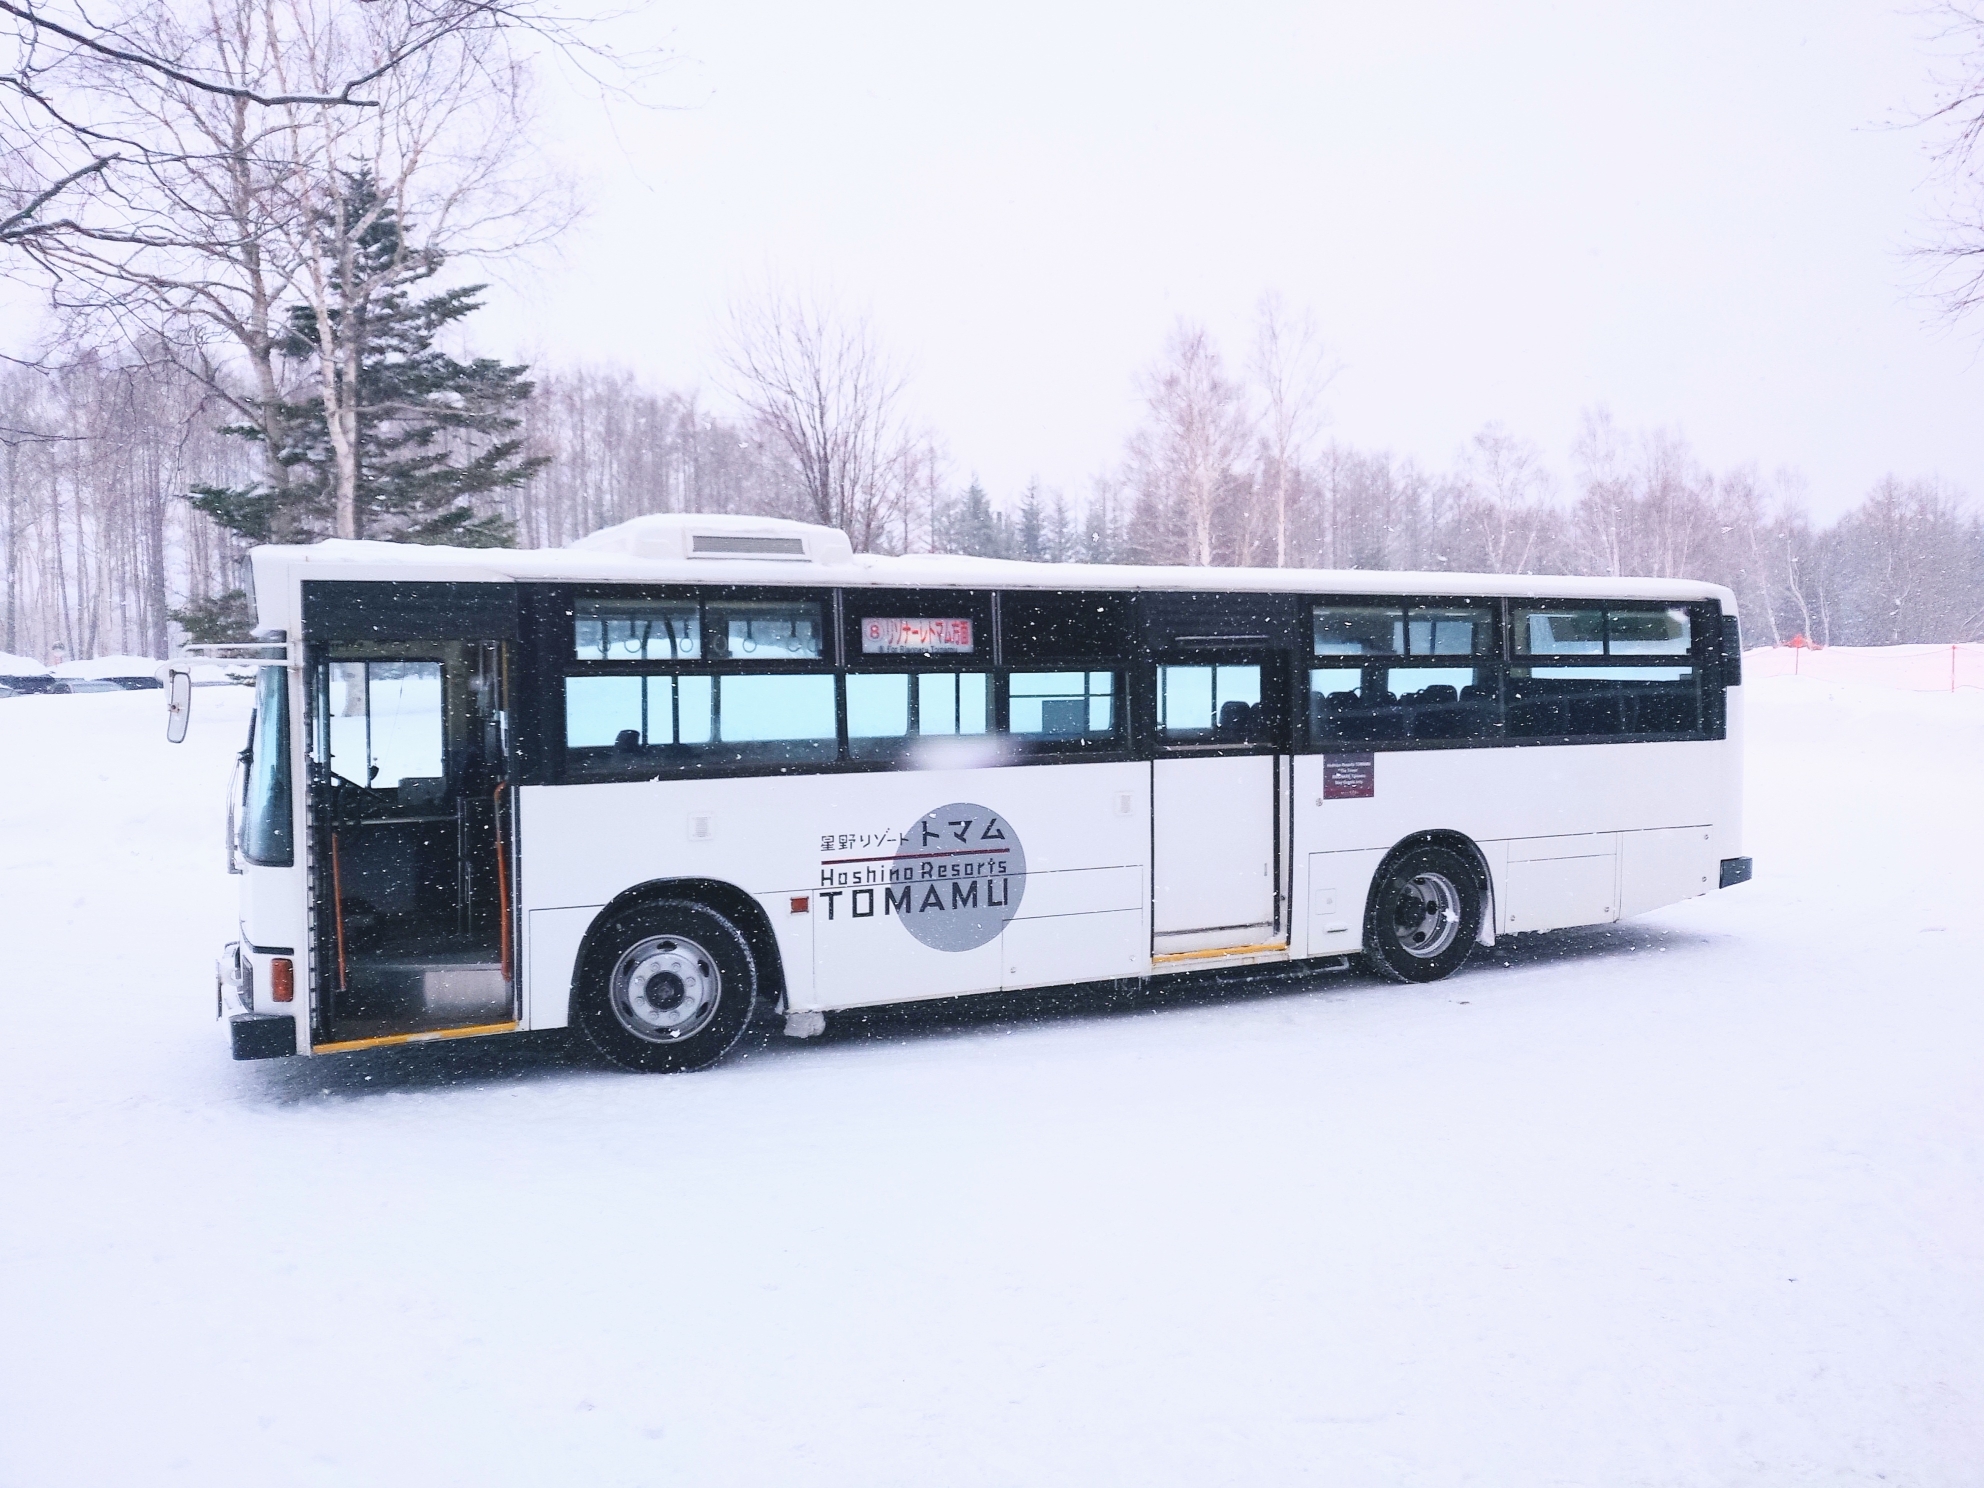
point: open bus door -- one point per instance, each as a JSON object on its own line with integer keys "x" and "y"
{"x": 411, "y": 839}
{"x": 1218, "y": 726}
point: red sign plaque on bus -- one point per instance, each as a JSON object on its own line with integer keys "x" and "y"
{"x": 882, "y": 636}
{"x": 1348, "y": 777}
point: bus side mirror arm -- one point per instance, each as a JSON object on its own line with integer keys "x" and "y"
{"x": 178, "y": 704}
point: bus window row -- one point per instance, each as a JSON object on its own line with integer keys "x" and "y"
{"x": 1425, "y": 630}
{"x": 1377, "y": 704}
{"x": 791, "y": 631}
{"x": 623, "y": 726}
{"x": 632, "y": 726}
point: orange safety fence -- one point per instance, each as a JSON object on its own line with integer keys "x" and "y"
{"x": 1937, "y": 667}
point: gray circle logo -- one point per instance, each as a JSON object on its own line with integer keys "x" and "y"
{"x": 963, "y": 871}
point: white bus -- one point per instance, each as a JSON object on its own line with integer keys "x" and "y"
{"x": 696, "y": 770}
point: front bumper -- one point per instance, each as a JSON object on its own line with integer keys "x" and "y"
{"x": 262, "y": 1035}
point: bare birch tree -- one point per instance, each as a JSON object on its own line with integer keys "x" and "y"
{"x": 226, "y": 142}
{"x": 816, "y": 376}
{"x": 1291, "y": 370}
{"x": 1185, "y": 459}
{"x": 1499, "y": 518}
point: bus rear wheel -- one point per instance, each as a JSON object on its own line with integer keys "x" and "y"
{"x": 666, "y": 986}
{"x": 1424, "y": 915}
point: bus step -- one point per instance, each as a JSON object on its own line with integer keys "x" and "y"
{"x": 429, "y": 988}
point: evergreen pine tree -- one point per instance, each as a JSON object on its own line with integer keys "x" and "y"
{"x": 1031, "y": 539}
{"x": 225, "y": 617}
{"x": 1060, "y": 531}
{"x": 434, "y": 433}
{"x": 970, "y": 525}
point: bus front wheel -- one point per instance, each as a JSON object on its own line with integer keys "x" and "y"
{"x": 666, "y": 986}
{"x": 1425, "y": 913}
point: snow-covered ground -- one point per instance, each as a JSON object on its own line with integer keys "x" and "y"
{"x": 1694, "y": 1200}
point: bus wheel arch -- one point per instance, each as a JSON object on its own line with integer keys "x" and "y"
{"x": 725, "y": 900}
{"x": 1423, "y": 923}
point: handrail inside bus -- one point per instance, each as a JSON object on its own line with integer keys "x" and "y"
{"x": 337, "y": 909}
{"x": 502, "y": 882}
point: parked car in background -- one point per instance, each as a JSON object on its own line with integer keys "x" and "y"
{"x": 18, "y": 675}
{"x": 111, "y": 674}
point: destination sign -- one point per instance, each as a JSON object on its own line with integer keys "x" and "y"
{"x": 881, "y": 636}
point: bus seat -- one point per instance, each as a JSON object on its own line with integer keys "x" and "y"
{"x": 422, "y": 790}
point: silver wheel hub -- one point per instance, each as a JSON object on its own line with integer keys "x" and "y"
{"x": 1426, "y": 914}
{"x": 665, "y": 988}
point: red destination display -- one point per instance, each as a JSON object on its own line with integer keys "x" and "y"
{"x": 882, "y": 636}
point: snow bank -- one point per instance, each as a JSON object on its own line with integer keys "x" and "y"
{"x": 1697, "y": 1200}
{"x": 105, "y": 667}
{"x": 20, "y": 666}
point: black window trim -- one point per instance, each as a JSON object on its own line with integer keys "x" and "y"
{"x": 703, "y": 595}
{"x": 1306, "y": 640}
{"x": 1134, "y": 737}
{"x": 1500, "y": 660}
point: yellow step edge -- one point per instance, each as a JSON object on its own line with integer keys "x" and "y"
{"x": 477, "y": 1031}
{"x": 1207, "y": 955}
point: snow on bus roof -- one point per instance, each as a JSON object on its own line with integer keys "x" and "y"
{"x": 692, "y": 549}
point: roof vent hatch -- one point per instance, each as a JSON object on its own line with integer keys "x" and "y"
{"x": 723, "y": 545}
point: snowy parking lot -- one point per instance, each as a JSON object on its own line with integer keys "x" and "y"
{"x": 1697, "y": 1199}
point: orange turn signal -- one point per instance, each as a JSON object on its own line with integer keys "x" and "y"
{"x": 282, "y": 980}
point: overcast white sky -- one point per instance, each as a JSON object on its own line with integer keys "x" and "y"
{"x": 1691, "y": 211}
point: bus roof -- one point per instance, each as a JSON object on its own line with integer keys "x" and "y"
{"x": 709, "y": 549}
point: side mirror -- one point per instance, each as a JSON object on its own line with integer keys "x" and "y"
{"x": 178, "y": 704}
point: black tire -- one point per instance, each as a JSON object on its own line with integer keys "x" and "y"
{"x": 666, "y": 986}
{"x": 1425, "y": 910}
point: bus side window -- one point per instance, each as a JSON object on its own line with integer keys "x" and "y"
{"x": 1594, "y": 702}
{"x": 887, "y": 711}
{"x": 634, "y": 727}
{"x": 1623, "y": 690}
{"x": 1336, "y": 698}
{"x": 1446, "y": 702}
{"x": 877, "y": 713}
{"x": 1403, "y": 704}
{"x": 1053, "y": 708}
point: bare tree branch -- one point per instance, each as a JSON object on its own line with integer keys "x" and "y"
{"x": 1956, "y": 121}
{"x": 166, "y": 69}
{"x": 19, "y": 224}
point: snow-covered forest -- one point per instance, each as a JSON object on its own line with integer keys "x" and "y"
{"x": 99, "y": 545}
{"x": 258, "y": 329}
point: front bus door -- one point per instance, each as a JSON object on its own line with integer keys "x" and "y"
{"x": 1218, "y": 781}
{"x": 408, "y": 835}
